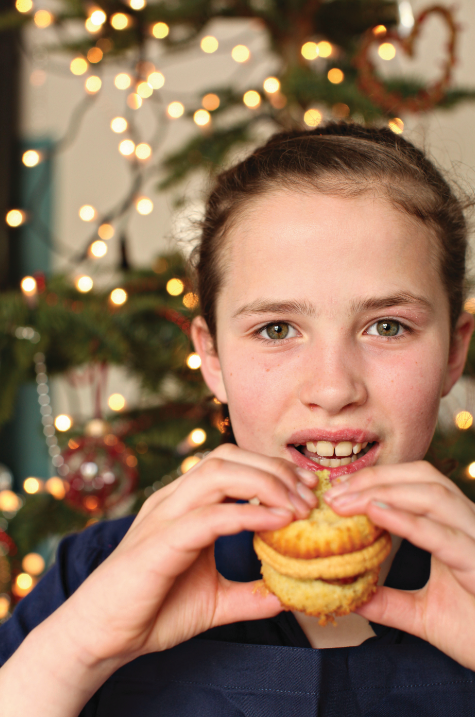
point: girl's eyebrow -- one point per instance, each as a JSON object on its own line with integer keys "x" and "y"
{"x": 305, "y": 308}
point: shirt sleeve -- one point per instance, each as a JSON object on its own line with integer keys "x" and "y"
{"x": 77, "y": 556}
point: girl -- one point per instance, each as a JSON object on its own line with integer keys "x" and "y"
{"x": 330, "y": 275}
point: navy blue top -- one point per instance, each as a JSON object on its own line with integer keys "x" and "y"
{"x": 261, "y": 668}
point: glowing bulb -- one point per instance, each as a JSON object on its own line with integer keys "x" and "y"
{"x": 312, "y": 118}
{"x": 87, "y": 213}
{"x": 127, "y": 147}
{"x": 24, "y": 5}
{"x": 120, "y": 21}
{"x": 175, "y": 109}
{"x": 209, "y": 44}
{"x": 33, "y": 564}
{"x": 188, "y": 463}
{"x": 144, "y": 90}
{"x": 160, "y": 30}
{"x": 175, "y": 287}
{"x": 335, "y": 76}
{"x": 15, "y": 217}
{"x": 463, "y": 420}
{"x": 309, "y": 50}
{"x": 271, "y": 85}
{"x": 190, "y": 300}
{"x": 31, "y": 158}
{"x": 210, "y": 101}
{"x": 122, "y": 81}
{"x": 251, "y": 99}
{"x": 240, "y": 53}
{"x": 324, "y": 49}
{"x": 471, "y": 470}
{"x": 143, "y": 151}
{"x": 84, "y": 284}
{"x": 63, "y": 422}
{"x": 193, "y": 361}
{"x": 98, "y": 249}
{"x": 134, "y": 101}
{"x": 4, "y": 606}
{"x": 78, "y": 66}
{"x": 98, "y": 18}
{"x": 118, "y": 297}
{"x": 95, "y": 55}
{"x": 144, "y": 205}
{"x": 387, "y": 51}
{"x": 9, "y": 501}
{"x": 43, "y": 18}
{"x": 116, "y": 402}
{"x": 198, "y": 436}
{"x": 470, "y": 305}
{"x": 201, "y": 117}
{"x": 31, "y": 485}
{"x": 24, "y": 581}
{"x": 93, "y": 84}
{"x": 396, "y": 125}
{"x": 379, "y": 30}
{"x": 137, "y": 4}
{"x": 119, "y": 124}
{"x": 106, "y": 231}
{"x": 28, "y": 285}
{"x": 156, "y": 80}
{"x": 90, "y": 27}
{"x": 55, "y": 487}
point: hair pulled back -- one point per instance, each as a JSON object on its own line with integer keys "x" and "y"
{"x": 337, "y": 159}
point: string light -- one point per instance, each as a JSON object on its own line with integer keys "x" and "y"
{"x": 24, "y": 5}
{"x": 90, "y": 27}
{"x": 379, "y": 30}
{"x": 127, "y": 147}
{"x": 325, "y": 49}
{"x": 144, "y": 90}
{"x": 116, "y": 402}
{"x": 44, "y": 400}
{"x": 193, "y": 361}
{"x": 32, "y": 485}
{"x": 396, "y": 125}
{"x": 78, "y": 66}
{"x": 137, "y": 4}
{"x": 119, "y": 124}
{"x": 95, "y": 55}
{"x": 31, "y": 158}
{"x": 160, "y": 30}
{"x": 55, "y": 486}
{"x": 28, "y": 285}
{"x": 240, "y": 53}
{"x": 312, "y": 117}
{"x": 175, "y": 287}
{"x": 84, "y": 284}
{"x": 201, "y": 118}
{"x": 251, "y": 99}
{"x": 122, "y": 81}
{"x": 471, "y": 470}
{"x": 197, "y": 436}
{"x": 144, "y": 205}
{"x": 335, "y": 76}
{"x": 87, "y": 213}
{"x": 210, "y": 101}
{"x": 33, "y": 564}
{"x": 190, "y": 300}
{"x": 106, "y": 231}
{"x": 134, "y": 101}
{"x": 470, "y": 305}
{"x": 118, "y": 297}
{"x": 10, "y": 502}
{"x": 175, "y": 110}
{"x": 93, "y": 84}
{"x": 387, "y": 51}
{"x": 120, "y": 21}
{"x": 15, "y": 217}
{"x": 188, "y": 463}
{"x": 271, "y": 85}
{"x": 309, "y": 50}
{"x": 156, "y": 80}
{"x": 209, "y": 44}
{"x": 463, "y": 420}
{"x": 23, "y": 584}
{"x": 43, "y": 18}
{"x": 63, "y": 422}
{"x": 97, "y": 249}
{"x": 143, "y": 151}
{"x": 98, "y": 18}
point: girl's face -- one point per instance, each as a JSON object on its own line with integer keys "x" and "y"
{"x": 332, "y": 332}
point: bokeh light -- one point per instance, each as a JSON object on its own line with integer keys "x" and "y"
{"x": 15, "y": 217}
{"x": 31, "y": 158}
{"x": 463, "y": 420}
{"x": 93, "y": 84}
{"x": 144, "y": 90}
{"x": 134, "y": 101}
{"x": 387, "y": 51}
{"x": 119, "y": 124}
{"x": 175, "y": 287}
{"x": 4, "y": 605}
{"x": 193, "y": 361}
{"x": 24, "y": 5}
{"x": 120, "y": 21}
{"x": 201, "y": 118}
{"x": 28, "y": 285}
{"x": 240, "y": 53}
{"x": 137, "y": 4}
{"x": 312, "y": 117}
{"x": 197, "y": 436}
{"x": 127, "y": 147}
{"x": 116, "y": 402}
{"x": 32, "y": 485}
{"x": 95, "y": 55}
{"x": 79, "y": 66}
{"x": 379, "y": 30}
{"x": 9, "y": 501}
{"x": 175, "y": 110}
{"x": 122, "y": 81}
{"x": 143, "y": 151}
{"x": 33, "y": 563}
{"x": 188, "y": 463}
{"x": 118, "y": 296}
{"x": 90, "y": 27}
{"x": 144, "y": 206}
{"x": 471, "y": 470}
{"x": 55, "y": 486}
{"x": 309, "y": 50}
{"x": 24, "y": 583}
{"x": 63, "y": 422}
{"x": 335, "y": 75}
{"x": 251, "y": 99}
{"x": 160, "y": 30}
{"x": 325, "y": 49}
{"x": 396, "y": 125}
{"x": 210, "y": 102}
{"x": 106, "y": 231}
{"x": 87, "y": 213}
{"x": 190, "y": 300}
{"x": 97, "y": 249}
{"x": 98, "y": 17}
{"x": 84, "y": 284}
{"x": 209, "y": 44}
{"x": 470, "y": 305}
{"x": 271, "y": 85}
{"x": 43, "y": 18}
{"x": 156, "y": 80}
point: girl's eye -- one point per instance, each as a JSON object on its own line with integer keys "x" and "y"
{"x": 277, "y": 331}
{"x": 386, "y": 327}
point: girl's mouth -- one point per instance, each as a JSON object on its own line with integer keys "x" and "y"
{"x": 339, "y": 457}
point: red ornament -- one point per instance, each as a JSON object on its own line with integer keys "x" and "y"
{"x": 102, "y": 473}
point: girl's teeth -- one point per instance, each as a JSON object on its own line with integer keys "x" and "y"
{"x": 346, "y": 451}
{"x": 357, "y": 448}
{"x": 344, "y": 448}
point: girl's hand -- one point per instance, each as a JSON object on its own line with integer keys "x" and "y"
{"x": 160, "y": 586}
{"x": 417, "y": 502}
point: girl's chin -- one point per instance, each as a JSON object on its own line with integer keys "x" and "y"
{"x": 369, "y": 459}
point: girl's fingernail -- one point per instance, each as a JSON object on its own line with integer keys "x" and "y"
{"x": 300, "y": 505}
{"x": 380, "y": 504}
{"x": 284, "y": 512}
{"x": 307, "y": 476}
{"x": 308, "y": 495}
{"x": 345, "y": 498}
{"x": 336, "y": 490}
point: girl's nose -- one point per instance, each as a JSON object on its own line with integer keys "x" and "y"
{"x": 334, "y": 379}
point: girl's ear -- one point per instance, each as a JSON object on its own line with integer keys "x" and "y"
{"x": 458, "y": 350}
{"x": 210, "y": 364}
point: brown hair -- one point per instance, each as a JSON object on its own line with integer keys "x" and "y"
{"x": 338, "y": 159}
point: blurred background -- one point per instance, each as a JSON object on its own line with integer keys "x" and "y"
{"x": 114, "y": 116}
